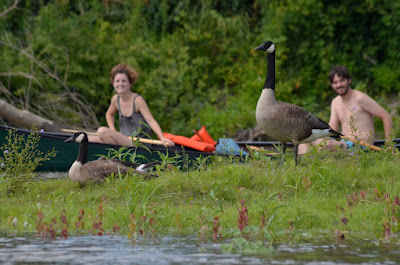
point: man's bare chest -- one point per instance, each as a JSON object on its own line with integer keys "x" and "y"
{"x": 346, "y": 110}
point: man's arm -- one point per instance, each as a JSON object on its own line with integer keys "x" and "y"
{"x": 372, "y": 107}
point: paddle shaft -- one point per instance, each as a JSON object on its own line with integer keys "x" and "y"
{"x": 140, "y": 140}
{"x": 252, "y": 147}
{"x": 373, "y": 147}
{"x": 360, "y": 142}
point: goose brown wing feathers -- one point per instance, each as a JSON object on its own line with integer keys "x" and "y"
{"x": 299, "y": 122}
{"x": 315, "y": 122}
{"x": 318, "y": 124}
{"x": 124, "y": 163}
{"x": 98, "y": 171}
{"x": 296, "y": 112}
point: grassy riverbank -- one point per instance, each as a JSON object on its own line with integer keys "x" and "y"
{"x": 328, "y": 192}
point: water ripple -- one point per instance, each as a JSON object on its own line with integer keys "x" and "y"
{"x": 173, "y": 250}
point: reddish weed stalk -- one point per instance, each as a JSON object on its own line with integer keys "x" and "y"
{"x": 216, "y": 228}
{"x": 50, "y": 230}
{"x": 115, "y": 228}
{"x": 392, "y": 213}
{"x": 379, "y": 196}
{"x": 290, "y": 231}
{"x": 64, "y": 223}
{"x": 148, "y": 222}
{"x": 40, "y": 226}
{"x": 355, "y": 197}
{"x": 387, "y": 230}
{"x": 243, "y": 217}
{"x": 80, "y": 224}
{"x": 97, "y": 228}
{"x": 264, "y": 219}
{"x": 306, "y": 183}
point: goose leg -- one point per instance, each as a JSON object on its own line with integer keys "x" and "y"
{"x": 283, "y": 152}
{"x": 295, "y": 150}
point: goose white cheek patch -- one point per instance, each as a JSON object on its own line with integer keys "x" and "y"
{"x": 79, "y": 138}
{"x": 271, "y": 49}
{"x": 316, "y": 134}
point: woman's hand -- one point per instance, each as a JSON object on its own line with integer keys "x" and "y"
{"x": 167, "y": 142}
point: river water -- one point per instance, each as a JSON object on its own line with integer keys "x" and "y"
{"x": 173, "y": 249}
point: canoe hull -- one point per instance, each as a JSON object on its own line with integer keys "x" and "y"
{"x": 67, "y": 152}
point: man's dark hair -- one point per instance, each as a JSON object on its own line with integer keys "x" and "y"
{"x": 340, "y": 71}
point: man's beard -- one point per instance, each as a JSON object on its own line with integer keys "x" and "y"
{"x": 346, "y": 89}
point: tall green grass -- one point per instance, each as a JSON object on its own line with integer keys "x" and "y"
{"x": 329, "y": 192}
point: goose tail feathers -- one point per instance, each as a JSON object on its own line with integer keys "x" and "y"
{"x": 146, "y": 167}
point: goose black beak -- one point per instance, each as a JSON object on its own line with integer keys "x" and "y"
{"x": 260, "y": 47}
{"x": 70, "y": 139}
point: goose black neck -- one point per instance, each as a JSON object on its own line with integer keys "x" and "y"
{"x": 83, "y": 151}
{"x": 270, "y": 79}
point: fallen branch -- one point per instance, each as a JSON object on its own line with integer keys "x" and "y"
{"x": 63, "y": 108}
{"x": 8, "y": 10}
{"x": 26, "y": 119}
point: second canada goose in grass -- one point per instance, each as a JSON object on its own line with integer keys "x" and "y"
{"x": 283, "y": 121}
{"x": 142, "y": 168}
{"x": 97, "y": 171}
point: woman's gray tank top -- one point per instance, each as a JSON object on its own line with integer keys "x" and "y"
{"x": 135, "y": 124}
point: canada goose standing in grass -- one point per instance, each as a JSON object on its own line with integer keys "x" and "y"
{"x": 283, "y": 121}
{"x": 97, "y": 171}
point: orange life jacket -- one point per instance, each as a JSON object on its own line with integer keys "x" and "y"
{"x": 203, "y": 136}
{"x": 185, "y": 141}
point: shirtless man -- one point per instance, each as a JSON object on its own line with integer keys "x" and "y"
{"x": 353, "y": 111}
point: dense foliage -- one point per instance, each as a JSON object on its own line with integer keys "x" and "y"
{"x": 196, "y": 59}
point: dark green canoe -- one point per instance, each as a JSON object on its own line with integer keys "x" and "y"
{"x": 67, "y": 152}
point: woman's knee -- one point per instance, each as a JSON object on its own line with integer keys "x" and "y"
{"x": 103, "y": 132}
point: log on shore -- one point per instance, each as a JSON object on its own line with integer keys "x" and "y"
{"x": 26, "y": 119}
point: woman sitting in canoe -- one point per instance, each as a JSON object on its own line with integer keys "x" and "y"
{"x": 135, "y": 118}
